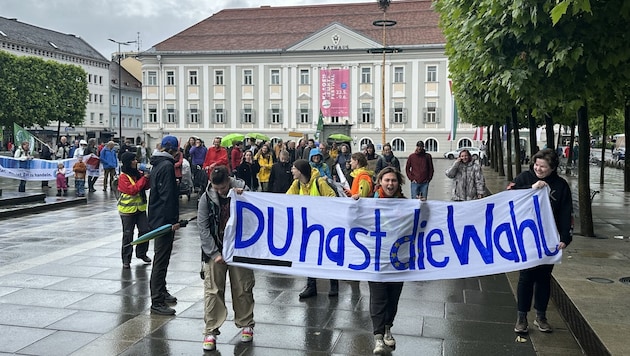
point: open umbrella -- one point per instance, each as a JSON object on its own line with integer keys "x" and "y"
{"x": 340, "y": 138}
{"x": 229, "y": 139}
{"x": 257, "y": 136}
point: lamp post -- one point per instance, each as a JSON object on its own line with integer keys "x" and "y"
{"x": 126, "y": 43}
{"x": 384, "y": 23}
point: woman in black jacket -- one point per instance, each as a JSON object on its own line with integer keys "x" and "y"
{"x": 248, "y": 170}
{"x": 535, "y": 283}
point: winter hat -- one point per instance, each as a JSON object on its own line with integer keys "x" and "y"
{"x": 127, "y": 158}
{"x": 303, "y": 166}
{"x": 170, "y": 143}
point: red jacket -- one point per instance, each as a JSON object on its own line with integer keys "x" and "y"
{"x": 218, "y": 156}
{"x": 235, "y": 158}
{"x": 125, "y": 186}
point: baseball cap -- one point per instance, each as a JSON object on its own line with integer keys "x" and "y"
{"x": 169, "y": 142}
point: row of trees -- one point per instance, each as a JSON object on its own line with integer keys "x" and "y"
{"x": 527, "y": 63}
{"x": 36, "y": 92}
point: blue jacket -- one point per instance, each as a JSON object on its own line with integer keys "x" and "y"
{"x": 321, "y": 166}
{"x": 108, "y": 158}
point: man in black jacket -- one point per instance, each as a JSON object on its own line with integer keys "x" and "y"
{"x": 281, "y": 177}
{"x": 163, "y": 209}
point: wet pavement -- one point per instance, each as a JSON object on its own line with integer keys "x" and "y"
{"x": 63, "y": 292}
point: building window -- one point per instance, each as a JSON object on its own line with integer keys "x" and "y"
{"x": 100, "y": 118}
{"x": 366, "y": 113}
{"x": 247, "y": 114}
{"x": 219, "y": 114}
{"x": 398, "y": 145}
{"x": 130, "y": 102}
{"x": 137, "y": 102}
{"x": 193, "y": 114}
{"x": 430, "y": 113}
{"x": 431, "y": 145}
{"x": 432, "y": 74}
{"x": 170, "y": 77}
{"x": 114, "y": 99}
{"x": 122, "y": 100}
{"x": 275, "y": 114}
{"x": 304, "y": 114}
{"x": 92, "y": 118}
{"x": 153, "y": 118}
{"x": 218, "y": 77}
{"x": 89, "y": 78}
{"x": 192, "y": 77}
{"x": 366, "y": 75}
{"x": 275, "y": 77}
{"x": 334, "y": 119}
{"x": 305, "y": 77}
{"x": 100, "y": 79}
{"x": 248, "y": 77}
{"x": 399, "y": 75}
{"x": 399, "y": 114}
{"x": 151, "y": 77}
{"x": 171, "y": 115}
{"x": 100, "y": 98}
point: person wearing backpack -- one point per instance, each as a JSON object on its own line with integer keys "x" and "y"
{"x": 306, "y": 181}
{"x": 362, "y": 184}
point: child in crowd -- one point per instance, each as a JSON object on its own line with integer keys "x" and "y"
{"x": 80, "y": 170}
{"x": 61, "y": 180}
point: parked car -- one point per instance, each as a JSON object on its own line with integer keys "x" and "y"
{"x": 474, "y": 152}
{"x": 619, "y": 154}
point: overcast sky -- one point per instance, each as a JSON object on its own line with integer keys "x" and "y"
{"x": 155, "y": 20}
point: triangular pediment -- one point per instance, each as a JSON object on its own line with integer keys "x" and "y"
{"x": 334, "y": 37}
{"x": 366, "y": 96}
{"x": 304, "y": 96}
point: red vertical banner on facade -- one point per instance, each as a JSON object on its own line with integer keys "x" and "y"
{"x": 334, "y": 92}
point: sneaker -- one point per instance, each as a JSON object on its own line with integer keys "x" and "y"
{"x": 247, "y": 334}
{"x": 162, "y": 309}
{"x": 210, "y": 343}
{"x": 145, "y": 259}
{"x": 388, "y": 339}
{"x": 170, "y": 299}
{"x": 521, "y": 326}
{"x": 543, "y": 325}
{"x": 380, "y": 348}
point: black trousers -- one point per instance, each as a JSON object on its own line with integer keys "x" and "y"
{"x": 384, "y": 298}
{"x": 129, "y": 223}
{"x": 534, "y": 283}
{"x": 163, "y": 246}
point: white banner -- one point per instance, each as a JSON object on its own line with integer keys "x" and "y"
{"x": 391, "y": 239}
{"x": 33, "y": 169}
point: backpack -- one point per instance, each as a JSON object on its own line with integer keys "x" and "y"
{"x": 336, "y": 187}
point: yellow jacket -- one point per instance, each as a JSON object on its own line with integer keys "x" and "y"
{"x": 317, "y": 186}
{"x": 265, "y": 168}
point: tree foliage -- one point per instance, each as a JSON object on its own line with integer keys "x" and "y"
{"x": 36, "y": 92}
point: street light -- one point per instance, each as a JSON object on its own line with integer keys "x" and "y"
{"x": 384, "y": 23}
{"x": 127, "y": 43}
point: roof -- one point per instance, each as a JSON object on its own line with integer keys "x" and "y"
{"x": 17, "y": 32}
{"x": 129, "y": 81}
{"x": 278, "y": 28}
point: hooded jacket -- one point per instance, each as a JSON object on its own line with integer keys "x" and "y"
{"x": 322, "y": 188}
{"x": 208, "y": 220}
{"x": 164, "y": 194}
{"x": 321, "y": 166}
{"x": 468, "y": 180}
{"x": 560, "y": 197}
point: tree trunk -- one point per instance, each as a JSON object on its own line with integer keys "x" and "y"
{"x": 549, "y": 131}
{"x": 498, "y": 146}
{"x": 533, "y": 147}
{"x": 626, "y": 131}
{"x": 517, "y": 141}
{"x": 602, "y": 165}
{"x": 584, "y": 187}
{"x": 508, "y": 134}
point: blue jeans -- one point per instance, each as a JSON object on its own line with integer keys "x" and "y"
{"x": 79, "y": 184}
{"x": 419, "y": 189}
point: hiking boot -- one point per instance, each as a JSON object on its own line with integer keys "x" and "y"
{"x": 334, "y": 288}
{"x": 210, "y": 343}
{"x": 310, "y": 290}
{"x": 388, "y": 339}
{"x": 247, "y": 334}
{"x": 379, "y": 346}
{"x": 521, "y": 325}
{"x": 543, "y": 325}
{"x": 162, "y": 309}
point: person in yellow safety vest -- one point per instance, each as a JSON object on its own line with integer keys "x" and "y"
{"x": 132, "y": 207}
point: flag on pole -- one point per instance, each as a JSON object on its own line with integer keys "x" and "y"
{"x": 453, "y": 133}
{"x": 320, "y": 125}
{"x": 478, "y": 135}
{"x": 20, "y": 135}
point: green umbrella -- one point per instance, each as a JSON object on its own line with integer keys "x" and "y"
{"x": 257, "y": 136}
{"x": 155, "y": 233}
{"x": 340, "y": 138}
{"x": 229, "y": 139}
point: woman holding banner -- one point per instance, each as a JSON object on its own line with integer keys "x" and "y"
{"x": 535, "y": 283}
{"x": 306, "y": 181}
{"x": 384, "y": 296}
{"x": 23, "y": 153}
